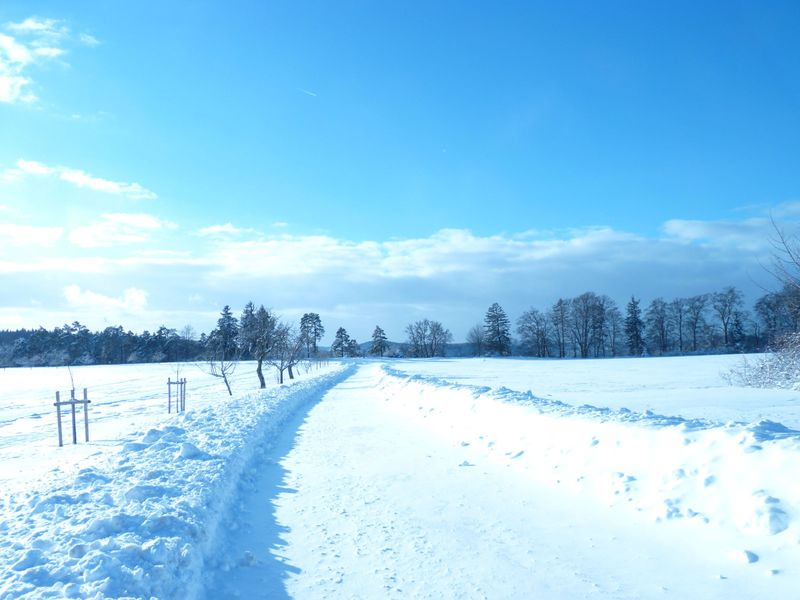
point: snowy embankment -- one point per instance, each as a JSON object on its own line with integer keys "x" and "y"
{"x": 140, "y": 522}
{"x": 740, "y": 478}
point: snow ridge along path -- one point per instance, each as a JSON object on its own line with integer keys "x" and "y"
{"x": 141, "y": 523}
{"x": 396, "y": 487}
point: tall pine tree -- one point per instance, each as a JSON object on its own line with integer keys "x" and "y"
{"x": 379, "y": 341}
{"x": 341, "y": 342}
{"x": 311, "y": 332}
{"x": 634, "y": 327}
{"x": 498, "y": 331}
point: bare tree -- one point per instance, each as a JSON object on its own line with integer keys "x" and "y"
{"x": 257, "y": 336}
{"x": 428, "y": 338}
{"x": 725, "y": 304}
{"x": 475, "y": 337}
{"x": 658, "y": 325}
{"x": 676, "y": 311}
{"x": 222, "y": 350}
{"x": 695, "y": 316}
{"x": 581, "y": 312}
{"x": 559, "y": 317}
{"x": 534, "y": 329}
{"x": 615, "y": 327}
{"x": 286, "y": 350}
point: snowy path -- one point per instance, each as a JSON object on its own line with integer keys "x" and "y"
{"x": 354, "y": 501}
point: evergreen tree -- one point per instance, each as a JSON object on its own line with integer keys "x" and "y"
{"x": 379, "y": 341}
{"x": 497, "y": 328}
{"x": 353, "y": 349}
{"x": 340, "y": 342}
{"x": 311, "y": 332}
{"x": 224, "y": 337}
{"x": 633, "y": 327}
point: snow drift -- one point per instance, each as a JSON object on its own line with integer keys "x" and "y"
{"x": 140, "y": 523}
{"x": 740, "y": 477}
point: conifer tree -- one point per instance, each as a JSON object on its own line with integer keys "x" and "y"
{"x": 311, "y": 332}
{"x": 497, "y": 328}
{"x": 379, "y": 341}
{"x": 633, "y": 327}
{"x": 341, "y": 342}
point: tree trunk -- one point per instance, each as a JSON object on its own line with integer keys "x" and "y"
{"x": 260, "y": 374}
{"x": 227, "y": 385}
{"x": 291, "y": 375}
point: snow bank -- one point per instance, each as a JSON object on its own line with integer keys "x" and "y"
{"x": 140, "y": 523}
{"x": 736, "y": 476}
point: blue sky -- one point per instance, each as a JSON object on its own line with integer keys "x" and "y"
{"x": 380, "y": 162}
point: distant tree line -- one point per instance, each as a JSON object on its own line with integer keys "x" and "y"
{"x": 586, "y": 326}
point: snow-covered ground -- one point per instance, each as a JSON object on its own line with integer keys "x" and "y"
{"x": 688, "y": 386}
{"x": 642, "y": 478}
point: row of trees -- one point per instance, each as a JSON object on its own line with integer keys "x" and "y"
{"x": 588, "y": 325}
{"x": 592, "y": 325}
{"x": 75, "y": 344}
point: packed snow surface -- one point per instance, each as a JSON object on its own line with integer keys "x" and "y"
{"x": 640, "y": 478}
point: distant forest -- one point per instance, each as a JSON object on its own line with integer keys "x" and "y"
{"x": 586, "y": 326}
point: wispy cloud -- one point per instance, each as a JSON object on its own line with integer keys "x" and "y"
{"x": 133, "y": 300}
{"x": 78, "y": 178}
{"x": 227, "y": 229}
{"x": 118, "y": 228}
{"x": 88, "y": 40}
{"x": 28, "y": 235}
{"x": 23, "y": 45}
{"x": 307, "y": 92}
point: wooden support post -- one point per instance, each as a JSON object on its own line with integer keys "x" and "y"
{"x": 183, "y": 395}
{"x": 86, "y": 412}
{"x": 169, "y": 394}
{"x": 58, "y": 416}
{"x": 74, "y": 427}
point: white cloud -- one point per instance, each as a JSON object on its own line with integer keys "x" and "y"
{"x": 49, "y": 52}
{"x": 28, "y": 235}
{"x": 33, "y": 167}
{"x": 134, "y": 191}
{"x": 40, "y": 28}
{"x": 216, "y": 230}
{"x": 752, "y": 234}
{"x": 118, "y": 228}
{"x": 34, "y": 40}
{"x": 78, "y": 178}
{"x": 451, "y": 275}
{"x": 133, "y": 300}
{"x": 88, "y": 40}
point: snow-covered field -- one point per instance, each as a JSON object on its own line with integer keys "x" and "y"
{"x": 626, "y": 478}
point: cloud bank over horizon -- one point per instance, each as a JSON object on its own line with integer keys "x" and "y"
{"x": 141, "y": 271}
